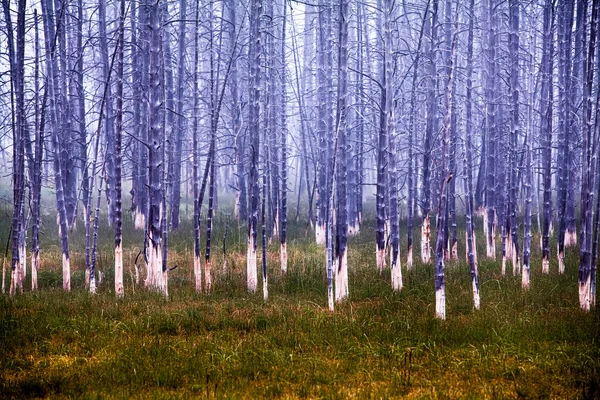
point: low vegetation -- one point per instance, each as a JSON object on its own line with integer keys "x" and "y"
{"x": 231, "y": 344}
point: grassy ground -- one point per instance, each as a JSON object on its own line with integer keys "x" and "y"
{"x": 231, "y": 344}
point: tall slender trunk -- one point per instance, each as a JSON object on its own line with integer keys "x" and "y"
{"x": 587, "y": 174}
{"x": 527, "y": 219}
{"x": 390, "y": 126}
{"x": 36, "y": 186}
{"x": 430, "y": 130}
{"x": 109, "y": 113}
{"x": 341, "y": 250}
{"x": 209, "y": 220}
{"x": 195, "y": 159}
{"x": 157, "y": 274}
{"x": 565, "y": 87}
{"x": 468, "y": 165}
{"x": 263, "y": 219}
{"x": 491, "y": 129}
{"x": 284, "y": 132}
{"x": 324, "y": 129}
{"x": 511, "y": 215}
{"x": 411, "y": 138}
{"x": 119, "y": 290}
{"x": 254, "y": 52}
{"x": 451, "y": 237}
{"x": 546, "y": 104}
{"x": 241, "y": 203}
{"x": 180, "y": 129}
{"x": 446, "y": 175}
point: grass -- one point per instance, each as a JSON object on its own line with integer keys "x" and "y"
{"x": 231, "y": 344}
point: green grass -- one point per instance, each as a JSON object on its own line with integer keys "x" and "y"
{"x": 231, "y": 344}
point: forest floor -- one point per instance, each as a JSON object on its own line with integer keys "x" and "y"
{"x": 232, "y": 344}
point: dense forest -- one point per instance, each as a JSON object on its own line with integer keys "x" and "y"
{"x": 436, "y": 114}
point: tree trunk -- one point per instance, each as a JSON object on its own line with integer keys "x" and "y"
{"x": 157, "y": 274}
{"x": 587, "y": 166}
{"x": 491, "y": 134}
{"x": 430, "y": 130}
{"x": 119, "y": 290}
{"x": 511, "y": 215}
{"x": 254, "y": 52}
{"x": 442, "y": 220}
{"x": 546, "y": 104}
{"x": 341, "y": 251}
{"x": 468, "y": 166}
{"x": 284, "y": 132}
{"x": 180, "y": 130}
{"x": 195, "y": 160}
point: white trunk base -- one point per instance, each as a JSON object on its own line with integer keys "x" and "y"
{"x": 455, "y": 251}
{"x": 207, "y": 277}
{"x": 380, "y": 258}
{"x": 35, "y": 265}
{"x": 584, "y": 294}
{"x": 491, "y": 245}
{"x": 483, "y": 213}
{"x": 265, "y": 288}
{"x": 425, "y": 245}
{"x": 139, "y": 220}
{"x": 164, "y": 284}
{"x": 515, "y": 260}
{"x": 545, "y": 265}
{"x": 119, "y": 290}
{"x": 476, "y": 299}
{"x": 251, "y": 265}
{"x": 13, "y": 281}
{"x": 503, "y": 265}
{"x": 66, "y": 264}
{"x": 4, "y": 276}
{"x": 22, "y": 261}
{"x": 570, "y": 239}
{"x": 341, "y": 278}
{"x": 440, "y": 303}
{"x": 283, "y": 257}
{"x": 561, "y": 260}
{"x": 525, "y": 278}
{"x": 92, "y": 284}
{"x": 198, "y": 274}
{"x": 353, "y": 228}
{"x": 396, "y": 272}
{"x": 156, "y": 278}
{"x": 275, "y": 227}
{"x": 320, "y": 234}
{"x": 409, "y": 259}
